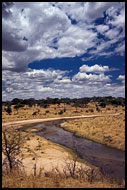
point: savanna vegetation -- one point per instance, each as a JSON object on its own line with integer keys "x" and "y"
{"x": 73, "y": 174}
{"x": 24, "y": 148}
{"x": 19, "y": 109}
{"x": 109, "y": 130}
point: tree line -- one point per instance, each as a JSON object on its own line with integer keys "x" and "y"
{"x": 79, "y": 101}
{"x": 76, "y": 102}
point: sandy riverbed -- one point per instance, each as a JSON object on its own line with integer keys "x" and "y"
{"x": 47, "y": 155}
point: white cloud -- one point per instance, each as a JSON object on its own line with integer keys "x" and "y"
{"x": 95, "y": 68}
{"x": 43, "y": 89}
{"x": 44, "y": 83}
{"x": 102, "y": 28}
{"x": 41, "y": 23}
{"x": 111, "y": 34}
{"x": 94, "y": 10}
{"x": 120, "y": 49}
{"x": 90, "y": 77}
{"x": 117, "y": 20}
{"x": 121, "y": 78}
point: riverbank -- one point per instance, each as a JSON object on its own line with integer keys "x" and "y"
{"x": 41, "y": 166}
{"x": 50, "y": 154}
{"x": 32, "y": 121}
{"x": 53, "y": 181}
{"x": 109, "y": 131}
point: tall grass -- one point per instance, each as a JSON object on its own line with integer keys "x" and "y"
{"x": 72, "y": 176}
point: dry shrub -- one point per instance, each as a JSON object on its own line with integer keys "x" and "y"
{"x": 74, "y": 177}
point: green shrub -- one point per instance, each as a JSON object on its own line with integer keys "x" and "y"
{"x": 98, "y": 109}
{"x": 60, "y": 112}
{"x": 91, "y": 110}
{"x": 34, "y": 113}
{"x": 9, "y": 110}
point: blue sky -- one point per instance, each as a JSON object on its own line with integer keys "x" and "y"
{"x": 63, "y": 49}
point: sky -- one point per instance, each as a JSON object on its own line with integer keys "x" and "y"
{"x": 63, "y": 49}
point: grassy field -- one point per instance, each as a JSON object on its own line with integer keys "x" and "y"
{"x": 54, "y": 111}
{"x": 52, "y": 178}
{"x": 109, "y": 130}
{"x": 20, "y": 180}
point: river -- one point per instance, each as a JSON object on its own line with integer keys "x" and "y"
{"x": 110, "y": 160}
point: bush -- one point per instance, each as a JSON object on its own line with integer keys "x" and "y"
{"x": 9, "y": 110}
{"x": 103, "y": 104}
{"x": 91, "y": 110}
{"x": 60, "y": 112}
{"x": 34, "y": 113}
{"x": 64, "y": 109}
{"x": 98, "y": 109}
{"x": 18, "y": 105}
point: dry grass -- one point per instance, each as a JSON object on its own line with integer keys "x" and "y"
{"x": 26, "y": 112}
{"x": 52, "y": 180}
{"x": 108, "y": 130}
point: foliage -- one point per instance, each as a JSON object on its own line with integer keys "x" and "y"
{"x": 98, "y": 109}
{"x": 8, "y": 110}
{"x": 103, "y": 104}
{"x": 12, "y": 143}
{"x": 18, "y": 105}
{"x": 81, "y": 102}
{"x": 34, "y": 113}
{"x": 60, "y": 112}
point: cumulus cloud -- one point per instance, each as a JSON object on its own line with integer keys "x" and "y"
{"x": 45, "y": 83}
{"x": 41, "y": 23}
{"x": 95, "y": 68}
{"x": 57, "y": 29}
{"x": 12, "y": 42}
{"x": 102, "y": 28}
{"x": 91, "y": 78}
{"x": 6, "y": 9}
{"x": 121, "y": 78}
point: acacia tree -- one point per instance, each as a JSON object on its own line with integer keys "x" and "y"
{"x": 12, "y": 144}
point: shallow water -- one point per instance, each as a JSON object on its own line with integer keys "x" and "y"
{"x": 110, "y": 160}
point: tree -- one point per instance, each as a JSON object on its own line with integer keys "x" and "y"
{"x": 16, "y": 101}
{"x": 76, "y": 105}
{"x": 98, "y": 109}
{"x": 60, "y": 112}
{"x": 12, "y": 144}
{"x": 103, "y": 104}
{"x": 18, "y": 105}
{"x": 9, "y": 110}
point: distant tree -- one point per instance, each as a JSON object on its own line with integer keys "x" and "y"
{"x": 18, "y": 105}
{"x": 98, "y": 109}
{"x": 44, "y": 105}
{"x": 34, "y": 113}
{"x": 60, "y": 112}
{"x": 47, "y": 111}
{"x": 76, "y": 105}
{"x": 103, "y": 104}
{"x": 64, "y": 110}
{"x": 9, "y": 110}
{"x": 16, "y": 101}
{"x": 91, "y": 110}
